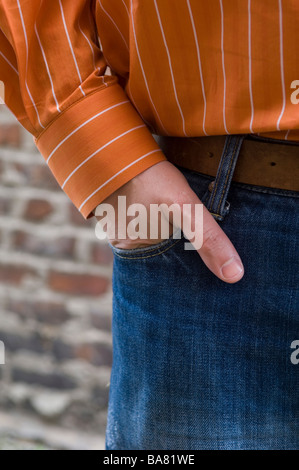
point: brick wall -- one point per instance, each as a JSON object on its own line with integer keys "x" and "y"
{"x": 55, "y": 299}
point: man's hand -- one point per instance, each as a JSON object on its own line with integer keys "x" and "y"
{"x": 164, "y": 183}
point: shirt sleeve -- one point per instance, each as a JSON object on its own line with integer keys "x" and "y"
{"x": 83, "y": 123}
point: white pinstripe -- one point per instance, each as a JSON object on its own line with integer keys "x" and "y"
{"x": 130, "y": 94}
{"x": 126, "y": 8}
{"x": 9, "y": 63}
{"x": 91, "y": 26}
{"x": 115, "y": 176}
{"x": 103, "y": 80}
{"x": 287, "y": 134}
{"x": 170, "y": 67}
{"x": 281, "y": 66}
{"x": 129, "y": 84}
{"x": 71, "y": 47}
{"x": 143, "y": 72}
{"x": 82, "y": 125}
{"x": 90, "y": 46}
{"x": 107, "y": 63}
{"x": 47, "y": 67}
{"x": 223, "y": 66}
{"x": 112, "y": 20}
{"x": 200, "y": 68}
{"x": 82, "y": 91}
{"x": 98, "y": 151}
{"x": 250, "y": 66}
{"x": 26, "y": 84}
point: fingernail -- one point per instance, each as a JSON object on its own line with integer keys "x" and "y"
{"x": 232, "y": 268}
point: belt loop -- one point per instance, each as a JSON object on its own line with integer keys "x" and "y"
{"x": 217, "y": 203}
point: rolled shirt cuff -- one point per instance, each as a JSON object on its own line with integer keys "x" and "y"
{"x": 96, "y": 146}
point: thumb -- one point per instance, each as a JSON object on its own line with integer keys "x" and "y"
{"x": 216, "y": 250}
{"x": 218, "y": 253}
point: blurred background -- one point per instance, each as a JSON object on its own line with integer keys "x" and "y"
{"x": 55, "y": 307}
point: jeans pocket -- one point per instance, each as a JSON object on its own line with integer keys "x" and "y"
{"x": 151, "y": 250}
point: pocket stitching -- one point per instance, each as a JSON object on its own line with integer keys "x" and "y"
{"x": 149, "y": 256}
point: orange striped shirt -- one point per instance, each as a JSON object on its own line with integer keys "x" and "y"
{"x": 179, "y": 67}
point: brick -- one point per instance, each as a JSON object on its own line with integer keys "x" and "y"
{"x": 83, "y": 415}
{"x": 62, "y": 351}
{"x": 101, "y": 254}
{"x": 100, "y": 397}
{"x": 37, "y": 176}
{"x": 5, "y": 206}
{"x": 50, "y": 380}
{"x": 15, "y": 275}
{"x": 50, "y": 405}
{"x": 38, "y": 210}
{"x": 50, "y": 313}
{"x": 41, "y": 176}
{"x": 100, "y": 321}
{"x": 10, "y": 134}
{"x": 34, "y": 343}
{"x": 78, "y": 284}
{"x": 76, "y": 218}
{"x": 97, "y": 354}
{"x": 60, "y": 248}
{"x": 38, "y": 344}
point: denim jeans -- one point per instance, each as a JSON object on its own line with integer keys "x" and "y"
{"x": 199, "y": 364}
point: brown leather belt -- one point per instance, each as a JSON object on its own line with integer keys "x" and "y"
{"x": 271, "y": 164}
